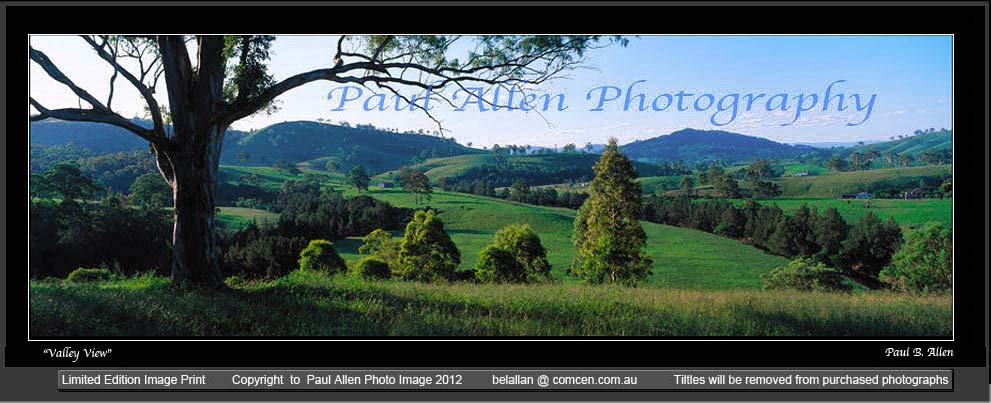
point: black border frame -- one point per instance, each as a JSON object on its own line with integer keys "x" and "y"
{"x": 966, "y": 23}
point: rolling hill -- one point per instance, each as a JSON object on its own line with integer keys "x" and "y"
{"x": 693, "y": 145}
{"x": 99, "y": 138}
{"x": 316, "y": 142}
{"x": 540, "y": 169}
{"x": 300, "y": 141}
{"x": 912, "y": 145}
{"x": 874, "y": 180}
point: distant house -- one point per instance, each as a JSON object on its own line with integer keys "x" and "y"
{"x": 801, "y": 174}
{"x": 865, "y": 195}
{"x": 386, "y": 185}
{"x": 848, "y": 196}
{"x": 916, "y": 193}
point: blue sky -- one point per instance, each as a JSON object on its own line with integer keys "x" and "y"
{"x": 910, "y": 75}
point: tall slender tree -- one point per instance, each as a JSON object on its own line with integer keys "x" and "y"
{"x": 608, "y": 237}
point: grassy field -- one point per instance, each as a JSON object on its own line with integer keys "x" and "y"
{"x": 683, "y": 258}
{"x": 812, "y": 169}
{"x": 651, "y": 184}
{"x": 307, "y": 304}
{"x": 834, "y": 185}
{"x": 271, "y": 178}
{"x": 240, "y": 216}
{"x": 453, "y": 167}
{"x": 910, "y": 213}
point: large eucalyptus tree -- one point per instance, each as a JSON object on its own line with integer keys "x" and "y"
{"x": 227, "y": 79}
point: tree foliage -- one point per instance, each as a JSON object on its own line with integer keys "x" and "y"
{"x": 151, "y": 191}
{"x": 416, "y": 183}
{"x": 608, "y": 237}
{"x": 925, "y": 262}
{"x": 321, "y": 256}
{"x": 358, "y": 178}
{"x": 372, "y": 268}
{"x": 380, "y": 245}
{"x": 869, "y": 247}
{"x": 67, "y": 182}
{"x": 527, "y": 258}
{"x": 426, "y": 252}
{"x": 497, "y": 265}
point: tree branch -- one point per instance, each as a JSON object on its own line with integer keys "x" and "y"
{"x": 56, "y": 74}
{"x": 92, "y": 115}
{"x": 99, "y": 112}
{"x": 153, "y": 107}
{"x": 385, "y": 42}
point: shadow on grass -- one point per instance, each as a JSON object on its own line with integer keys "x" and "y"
{"x": 316, "y": 306}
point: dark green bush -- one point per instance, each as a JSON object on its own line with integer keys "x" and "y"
{"x": 497, "y": 265}
{"x": 372, "y": 268}
{"x": 321, "y": 256}
{"x": 260, "y": 253}
{"x": 84, "y": 275}
{"x": 524, "y": 245}
{"x": 805, "y": 275}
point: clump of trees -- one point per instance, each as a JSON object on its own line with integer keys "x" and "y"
{"x": 516, "y": 256}
{"x": 307, "y": 209}
{"x": 426, "y": 252}
{"x": 860, "y": 250}
{"x": 608, "y": 237}
{"x": 358, "y": 178}
{"x": 475, "y": 186}
{"x": 380, "y": 245}
{"x": 151, "y": 191}
{"x": 114, "y": 171}
{"x": 520, "y": 191}
{"x": 725, "y": 185}
{"x": 924, "y": 263}
{"x": 756, "y": 174}
{"x": 416, "y": 183}
{"x": 65, "y": 181}
{"x": 287, "y": 167}
{"x": 259, "y": 251}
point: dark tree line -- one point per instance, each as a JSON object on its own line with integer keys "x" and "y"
{"x": 519, "y": 192}
{"x": 860, "y": 250}
{"x": 76, "y": 223}
{"x": 306, "y": 212}
{"x": 115, "y": 171}
{"x": 67, "y": 234}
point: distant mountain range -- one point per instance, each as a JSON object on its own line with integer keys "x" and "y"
{"x": 100, "y": 138}
{"x": 380, "y": 151}
{"x": 693, "y": 145}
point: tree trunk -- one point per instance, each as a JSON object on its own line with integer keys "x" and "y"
{"x": 194, "y": 239}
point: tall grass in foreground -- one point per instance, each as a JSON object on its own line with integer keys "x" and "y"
{"x": 306, "y": 304}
